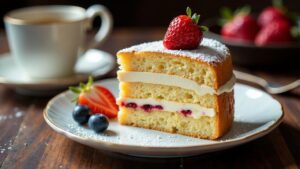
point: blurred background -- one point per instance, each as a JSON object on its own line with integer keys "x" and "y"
{"x": 150, "y": 13}
{"x": 148, "y": 20}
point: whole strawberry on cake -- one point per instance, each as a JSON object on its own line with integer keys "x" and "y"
{"x": 183, "y": 84}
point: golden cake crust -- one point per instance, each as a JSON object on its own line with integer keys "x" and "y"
{"x": 225, "y": 114}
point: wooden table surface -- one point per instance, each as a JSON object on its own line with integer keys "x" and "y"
{"x": 26, "y": 141}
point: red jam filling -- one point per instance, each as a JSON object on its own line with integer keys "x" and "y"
{"x": 159, "y": 107}
{"x": 130, "y": 105}
{"x": 186, "y": 112}
{"x": 145, "y": 107}
{"x": 149, "y": 108}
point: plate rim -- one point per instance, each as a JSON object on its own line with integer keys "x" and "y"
{"x": 208, "y": 146}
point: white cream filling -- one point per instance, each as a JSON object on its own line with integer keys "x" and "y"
{"x": 197, "y": 110}
{"x": 173, "y": 80}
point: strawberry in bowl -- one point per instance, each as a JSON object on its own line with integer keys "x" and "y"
{"x": 272, "y": 13}
{"x": 276, "y": 32}
{"x": 273, "y": 26}
{"x": 276, "y": 25}
{"x": 239, "y": 26}
{"x": 266, "y": 38}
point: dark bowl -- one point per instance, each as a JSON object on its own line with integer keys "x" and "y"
{"x": 248, "y": 54}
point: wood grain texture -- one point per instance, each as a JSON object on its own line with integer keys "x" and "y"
{"x": 27, "y": 142}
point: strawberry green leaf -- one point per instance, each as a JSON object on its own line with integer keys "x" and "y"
{"x": 204, "y": 28}
{"x": 245, "y": 10}
{"x": 81, "y": 88}
{"x": 291, "y": 15}
{"x": 195, "y": 18}
{"x": 226, "y": 13}
{"x": 75, "y": 89}
{"x": 277, "y": 3}
{"x": 189, "y": 11}
{"x": 90, "y": 81}
{"x": 82, "y": 85}
{"x": 295, "y": 31}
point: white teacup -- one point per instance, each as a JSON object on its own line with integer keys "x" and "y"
{"x": 45, "y": 41}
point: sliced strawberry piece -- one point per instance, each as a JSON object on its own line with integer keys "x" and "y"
{"x": 99, "y": 99}
{"x": 96, "y": 107}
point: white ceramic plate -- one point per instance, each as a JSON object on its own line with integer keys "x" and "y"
{"x": 256, "y": 114}
{"x": 95, "y": 62}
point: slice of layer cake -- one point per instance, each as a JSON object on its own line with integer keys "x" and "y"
{"x": 189, "y": 92}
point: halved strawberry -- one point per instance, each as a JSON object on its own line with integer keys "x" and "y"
{"x": 99, "y": 99}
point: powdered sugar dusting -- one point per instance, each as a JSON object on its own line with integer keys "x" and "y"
{"x": 210, "y": 51}
{"x": 133, "y": 136}
{"x": 17, "y": 114}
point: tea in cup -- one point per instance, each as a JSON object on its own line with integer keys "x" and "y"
{"x": 46, "y": 41}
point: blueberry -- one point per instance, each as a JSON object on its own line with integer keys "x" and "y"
{"x": 98, "y": 122}
{"x": 81, "y": 114}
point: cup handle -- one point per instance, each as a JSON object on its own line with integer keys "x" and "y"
{"x": 106, "y": 24}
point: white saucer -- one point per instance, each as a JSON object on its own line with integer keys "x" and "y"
{"x": 95, "y": 62}
{"x": 256, "y": 114}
